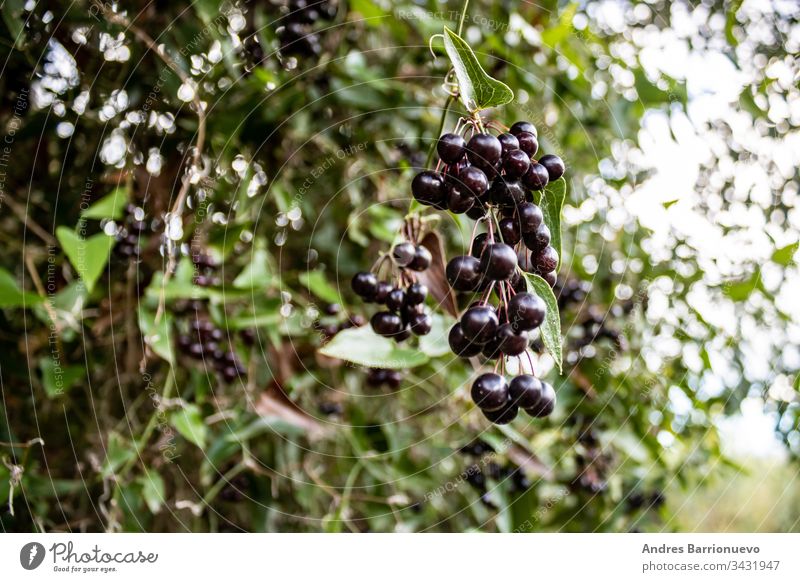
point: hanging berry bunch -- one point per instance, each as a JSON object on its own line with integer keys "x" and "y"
{"x": 400, "y": 292}
{"x": 297, "y": 34}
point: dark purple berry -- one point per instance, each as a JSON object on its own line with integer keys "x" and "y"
{"x": 460, "y": 345}
{"x": 473, "y": 180}
{"x": 416, "y": 294}
{"x": 530, "y": 217}
{"x": 403, "y": 253}
{"x": 428, "y": 188}
{"x": 382, "y": 292}
{"x": 506, "y": 192}
{"x": 551, "y": 278}
{"x": 451, "y": 148}
{"x": 526, "y": 311}
{"x": 546, "y": 404}
{"x": 479, "y": 244}
{"x": 395, "y": 300}
{"x": 498, "y": 261}
{"x": 554, "y": 164}
{"x": 508, "y": 142}
{"x": 521, "y": 126}
{"x": 393, "y": 379}
{"x": 364, "y": 284}
{"x": 503, "y": 416}
{"x": 386, "y": 324}
{"x": 484, "y": 150}
{"x": 511, "y": 343}
{"x": 490, "y": 392}
{"x": 546, "y": 261}
{"x": 463, "y": 273}
{"x": 479, "y": 324}
{"x": 540, "y": 239}
{"x": 491, "y": 349}
{"x": 509, "y": 231}
{"x": 459, "y": 200}
{"x": 516, "y": 163}
{"x": 421, "y": 324}
{"x": 525, "y": 391}
{"x": 422, "y": 259}
{"x": 402, "y": 335}
{"x": 528, "y": 143}
{"x": 477, "y": 211}
{"x": 536, "y": 178}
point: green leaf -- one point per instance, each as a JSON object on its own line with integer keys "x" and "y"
{"x": 741, "y": 290}
{"x": 158, "y": 337}
{"x": 189, "y": 423}
{"x": 552, "y": 202}
{"x": 477, "y": 90}
{"x": 110, "y": 206}
{"x": 14, "y": 18}
{"x": 435, "y": 344}
{"x": 88, "y": 256}
{"x": 153, "y": 491}
{"x": 364, "y": 347}
{"x": 12, "y": 296}
{"x": 118, "y": 452}
{"x": 57, "y": 379}
{"x": 551, "y": 327}
{"x": 318, "y": 284}
{"x": 256, "y": 274}
{"x": 785, "y": 255}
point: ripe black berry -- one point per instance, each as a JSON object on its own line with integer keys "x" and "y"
{"x": 364, "y": 284}
{"x": 551, "y": 278}
{"x": 459, "y": 199}
{"x": 479, "y": 244}
{"x": 473, "y": 180}
{"x": 420, "y": 323}
{"x": 484, "y": 150}
{"x": 416, "y": 294}
{"x": 422, "y": 259}
{"x": 491, "y": 349}
{"x": 498, "y": 261}
{"x": 521, "y": 126}
{"x": 490, "y": 392}
{"x": 536, "y": 178}
{"x": 510, "y": 342}
{"x": 546, "y": 403}
{"x": 509, "y": 230}
{"x": 460, "y": 344}
{"x": 537, "y": 241}
{"x": 546, "y": 261}
{"x": 506, "y": 192}
{"x": 530, "y": 217}
{"x": 508, "y": 142}
{"x": 525, "y": 391}
{"x": 403, "y": 253}
{"x": 402, "y": 335}
{"x": 395, "y": 300}
{"x": 528, "y": 143}
{"x": 479, "y": 324}
{"x": 451, "y": 148}
{"x": 428, "y": 188}
{"x": 526, "y": 311}
{"x": 516, "y": 163}
{"x": 386, "y": 324}
{"x": 382, "y": 292}
{"x": 554, "y": 164}
{"x": 503, "y": 416}
{"x": 463, "y": 273}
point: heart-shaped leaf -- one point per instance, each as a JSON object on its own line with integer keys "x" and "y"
{"x": 87, "y": 255}
{"x": 552, "y": 202}
{"x": 477, "y": 90}
{"x": 551, "y": 326}
{"x": 362, "y": 346}
{"x": 11, "y": 295}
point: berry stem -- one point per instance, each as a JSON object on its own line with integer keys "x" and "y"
{"x": 445, "y": 111}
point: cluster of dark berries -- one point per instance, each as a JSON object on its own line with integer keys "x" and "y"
{"x": 593, "y": 463}
{"x": 204, "y": 342}
{"x": 404, "y": 299}
{"x": 205, "y": 270}
{"x": 571, "y": 292}
{"x": 379, "y": 377}
{"x": 129, "y": 233}
{"x": 333, "y": 323}
{"x": 496, "y": 178}
{"x": 296, "y": 34}
{"x": 477, "y": 473}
